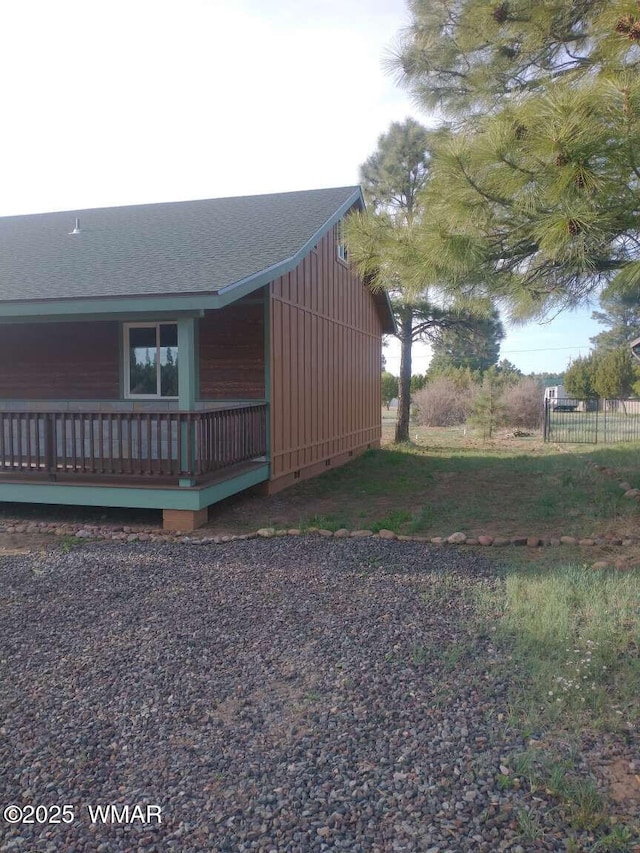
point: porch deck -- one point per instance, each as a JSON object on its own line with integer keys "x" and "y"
{"x": 142, "y": 449}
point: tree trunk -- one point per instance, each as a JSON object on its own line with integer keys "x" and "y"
{"x": 404, "y": 318}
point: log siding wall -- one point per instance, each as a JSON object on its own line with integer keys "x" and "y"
{"x": 232, "y": 352}
{"x": 60, "y": 361}
{"x": 325, "y": 364}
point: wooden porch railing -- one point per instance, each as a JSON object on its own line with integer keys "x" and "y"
{"x": 134, "y": 444}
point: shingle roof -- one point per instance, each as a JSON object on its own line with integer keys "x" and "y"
{"x": 176, "y": 248}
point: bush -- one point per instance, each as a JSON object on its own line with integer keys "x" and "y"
{"x": 522, "y": 403}
{"x": 441, "y": 403}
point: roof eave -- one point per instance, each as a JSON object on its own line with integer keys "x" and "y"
{"x": 238, "y": 289}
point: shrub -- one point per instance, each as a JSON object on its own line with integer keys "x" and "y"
{"x": 441, "y": 403}
{"x": 522, "y": 403}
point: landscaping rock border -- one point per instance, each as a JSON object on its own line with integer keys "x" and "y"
{"x": 135, "y": 534}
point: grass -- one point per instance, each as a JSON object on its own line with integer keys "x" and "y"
{"x": 441, "y": 485}
{"x": 570, "y": 641}
{"x": 574, "y": 635}
{"x": 582, "y": 805}
{"x": 447, "y": 480}
{"x": 69, "y": 542}
{"x": 569, "y": 644}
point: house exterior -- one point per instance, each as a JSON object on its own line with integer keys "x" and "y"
{"x": 169, "y": 355}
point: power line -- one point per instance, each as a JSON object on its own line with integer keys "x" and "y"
{"x": 511, "y": 351}
{"x": 543, "y": 349}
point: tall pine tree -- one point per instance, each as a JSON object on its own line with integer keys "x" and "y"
{"x": 380, "y": 244}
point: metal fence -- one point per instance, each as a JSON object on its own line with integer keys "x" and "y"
{"x": 571, "y": 421}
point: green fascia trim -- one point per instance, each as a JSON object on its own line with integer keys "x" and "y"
{"x": 93, "y": 406}
{"x": 173, "y": 303}
{"x": 123, "y": 362}
{"x": 130, "y": 308}
{"x": 235, "y": 291}
{"x": 138, "y": 498}
{"x": 220, "y": 491}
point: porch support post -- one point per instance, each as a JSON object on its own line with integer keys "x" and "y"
{"x": 187, "y": 364}
{"x": 187, "y": 390}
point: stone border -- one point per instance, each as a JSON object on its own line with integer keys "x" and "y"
{"x": 131, "y": 534}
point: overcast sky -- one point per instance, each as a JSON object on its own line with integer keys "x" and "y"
{"x": 132, "y": 102}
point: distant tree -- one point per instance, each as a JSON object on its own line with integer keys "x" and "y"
{"x": 548, "y": 380}
{"x": 621, "y": 315}
{"x": 579, "y": 377}
{"x": 389, "y": 388}
{"x": 615, "y": 373}
{"x": 507, "y": 372}
{"x": 476, "y": 346}
{"x": 418, "y": 381}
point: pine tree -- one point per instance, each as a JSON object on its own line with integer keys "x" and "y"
{"x": 579, "y": 378}
{"x": 380, "y": 244}
{"x": 620, "y": 313}
{"x": 476, "y": 346}
{"x": 615, "y": 374}
{"x": 534, "y": 182}
{"x": 488, "y": 412}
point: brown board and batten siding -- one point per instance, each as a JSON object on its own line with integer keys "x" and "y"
{"x": 325, "y": 366}
{"x": 232, "y": 351}
{"x": 60, "y": 361}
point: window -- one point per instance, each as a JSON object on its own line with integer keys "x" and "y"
{"x": 152, "y": 353}
{"x": 340, "y": 241}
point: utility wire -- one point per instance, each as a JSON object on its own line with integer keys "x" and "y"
{"x": 511, "y": 351}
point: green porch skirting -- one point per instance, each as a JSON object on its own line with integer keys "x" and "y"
{"x": 138, "y": 497}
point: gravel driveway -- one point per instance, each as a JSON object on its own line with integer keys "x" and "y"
{"x": 290, "y": 694}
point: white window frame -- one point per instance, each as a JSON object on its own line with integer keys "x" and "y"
{"x": 127, "y": 369}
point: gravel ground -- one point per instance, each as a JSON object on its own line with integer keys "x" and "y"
{"x": 277, "y": 695}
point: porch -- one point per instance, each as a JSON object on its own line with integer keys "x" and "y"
{"x": 166, "y": 447}
{"x": 177, "y": 461}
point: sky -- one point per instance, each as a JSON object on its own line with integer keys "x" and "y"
{"x": 133, "y": 101}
